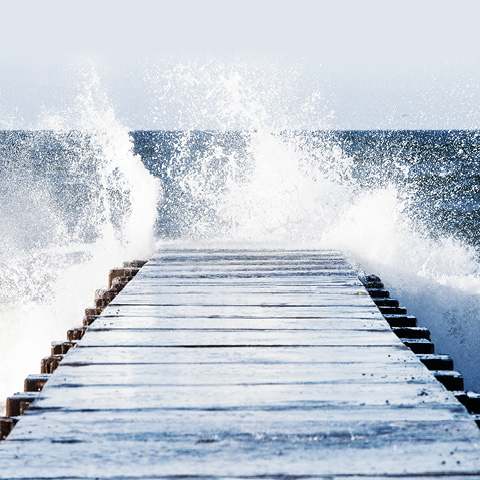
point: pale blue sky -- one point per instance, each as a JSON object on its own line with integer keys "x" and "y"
{"x": 376, "y": 64}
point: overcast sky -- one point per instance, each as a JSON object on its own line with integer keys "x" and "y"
{"x": 372, "y": 64}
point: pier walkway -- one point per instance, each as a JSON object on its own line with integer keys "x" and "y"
{"x": 242, "y": 364}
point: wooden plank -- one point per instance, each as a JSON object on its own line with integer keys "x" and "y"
{"x": 272, "y": 274}
{"x": 155, "y": 278}
{"x": 265, "y": 422}
{"x": 239, "y": 374}
{"x": 227, "y": 323}
{"x": 259, "y": 299}
{"x": 251, "y": 311}
{"x": 147, "y": 285}
{"x": 256, "y": 270}
{"x": 200, "y": 338}
{"x": 244, "y": 255}
{"x": 243, "y": 397}
{"x": 317, "y": 355}
{"x": 248, "y": 257}
{"x": 251, "y": 456}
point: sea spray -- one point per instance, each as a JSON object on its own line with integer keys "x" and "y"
{"x": 76, "y": 202}
{"x": 279, "y": 191}
{"x": 248, "y": 94}
{"x": 380, "y": 197}
{"x": 259, "y": 175}
{"x": 436, "y": 277}
{"x": 247, "y": 160}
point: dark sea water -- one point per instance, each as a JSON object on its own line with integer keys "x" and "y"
{"x": 401, "y": 204}
{"x": 436, "y": 172}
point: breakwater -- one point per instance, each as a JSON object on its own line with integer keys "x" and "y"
{"x": 248, "y": 363}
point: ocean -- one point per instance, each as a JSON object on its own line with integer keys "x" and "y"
{"x": 404, "y": 205}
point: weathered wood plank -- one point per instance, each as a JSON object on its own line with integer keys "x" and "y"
{"x": 252, "y": 457}
{"x": 252, "y": 311}
{"x": 227, "y": 323}
{"x": 267, "y": 274}
{"x": 154, "y": 278}
{"x": 284, "y": 355}
{"x": 281, "y": 256}
{"x": 167, "y": 338}
{"x": 202, "y": 423}
{"x": 147, "y": 285}
{"x": 259, "y": 299}
{"x": 244, "y": 397}
{"x": 271, "y": 274}
{"x": 239, "y": 374}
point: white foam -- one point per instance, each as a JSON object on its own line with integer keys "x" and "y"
{"x": 289, "y": 190}
{"x": 286, "y": 190}
{"x": 57, "y": 259}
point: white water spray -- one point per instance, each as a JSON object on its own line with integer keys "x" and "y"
{"x": 280, "y": 186}
{"x": 59, "y": 246}
{"x": 292, "y": 189}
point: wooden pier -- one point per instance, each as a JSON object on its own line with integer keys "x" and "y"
{"x": 242, "y": 364}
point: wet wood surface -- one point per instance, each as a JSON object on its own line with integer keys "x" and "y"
{"x": 242, "y": 364}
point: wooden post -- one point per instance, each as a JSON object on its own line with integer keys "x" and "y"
{"x": 50, "y": 364}
{"x": 6, "y": 426}
{"x": 18, "y": 403}
{"x": 35, "y": 383}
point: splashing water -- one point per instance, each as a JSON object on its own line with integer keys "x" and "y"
{"x": 287, "y": 186}
{"x": 261, "y": 176}
{"x": 247, "y": 161}
{"x": 76, "y": 203}
{"x": 437, "y": 279}
{"x": 287, "y": 193}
